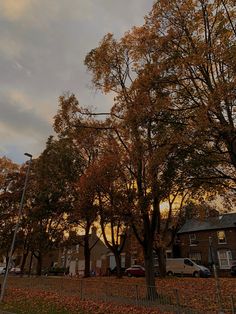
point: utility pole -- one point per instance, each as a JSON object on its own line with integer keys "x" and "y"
{"x": 16, "y": 229}
{"x": 215, "y": 276}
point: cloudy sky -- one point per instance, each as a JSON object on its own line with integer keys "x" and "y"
{"x": 42, "y": 48}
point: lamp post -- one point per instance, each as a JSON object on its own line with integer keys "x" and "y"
{"x": 16, "y": 229}
{"x": 216, "y": 276}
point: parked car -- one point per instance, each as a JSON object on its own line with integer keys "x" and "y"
{"x": 114, "y": 271}
{"x": 135, "y": 271}
{"x": 185, "y": 267}
{"x": 233, "y": 268}
{"x": 56, "y": 271}
{"x": 2, "y": 270}
{"x": 15, "y": 270}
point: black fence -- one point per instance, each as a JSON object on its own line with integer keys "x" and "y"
{"x": 182, "y": 298}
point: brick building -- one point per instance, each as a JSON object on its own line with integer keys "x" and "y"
{"x": 210, "y": 240}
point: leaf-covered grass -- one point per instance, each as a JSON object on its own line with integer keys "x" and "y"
{"x": 31, "y": 302}
{"x": 62, "y": 295}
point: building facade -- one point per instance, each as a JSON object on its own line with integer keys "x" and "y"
{"x": 209, "y": 241}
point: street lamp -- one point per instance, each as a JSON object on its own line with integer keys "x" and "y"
{"x": 16, "y": 228}
{"x": 215, "y": 275}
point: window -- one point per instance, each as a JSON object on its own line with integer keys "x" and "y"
{"x": 225, "y": 258}
{"x": 188, "y": 262}
{"x": 196, "y": 257}
{"x": 193, "y": 239}
{"x": 221, "y": 237}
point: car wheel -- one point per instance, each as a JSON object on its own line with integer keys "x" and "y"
{"x": 129, "y": 275}
{"x": 196, "y": 274}
{"x": 169, "y": 273}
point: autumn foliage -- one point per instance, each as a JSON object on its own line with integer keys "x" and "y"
{"x": 170, "y": 136}
{"x": 60, "y": 296}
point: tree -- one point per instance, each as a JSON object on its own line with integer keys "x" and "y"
{"x": 157, "y": 153}
{"x": 84, "y": 214}
{"x": 7, "y": 168}
{"x": 11, "y": 185}
{"x": 114, "y": 197}
{"x": 52, "y": 178}
{"x": 69, "y": 124}
{"x": 198, "y": 211}
{"x": 174, "y": 80}
{"x": 196, "y": 43}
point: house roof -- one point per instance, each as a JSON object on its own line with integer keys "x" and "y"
{"x": 224, "y": 221}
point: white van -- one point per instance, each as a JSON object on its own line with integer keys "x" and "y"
{"x": 185, "y": 267}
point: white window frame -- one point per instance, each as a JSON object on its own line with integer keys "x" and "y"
{"x": 224, "y": 261}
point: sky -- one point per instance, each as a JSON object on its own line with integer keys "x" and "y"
{"x": 43, "y": 45}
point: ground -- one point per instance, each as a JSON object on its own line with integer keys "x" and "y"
{"x": 115, "y": 296}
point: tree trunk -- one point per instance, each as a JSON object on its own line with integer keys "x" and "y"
{"x": 30, "y": 265}
{"x": 39, "y": 263}
{"x": 87, "y": 262}
{"x": 118, "y": 264}
{"x": 86, "y": 256}
{"x": 7, "y": 260}
{"x": 24, "y": 257}
{"x": 161, "y": 262}
{"x": 149, "y": 271}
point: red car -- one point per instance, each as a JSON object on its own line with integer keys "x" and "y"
{"x": 135, "y": 271}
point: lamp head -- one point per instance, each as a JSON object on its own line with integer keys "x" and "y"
{"x": 28, "y": 155}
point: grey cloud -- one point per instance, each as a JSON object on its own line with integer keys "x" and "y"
{"x": 23, "y": 121}
{"x": 42, "y": 50}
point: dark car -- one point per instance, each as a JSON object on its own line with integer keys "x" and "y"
{"x": 56, "y": 271}
{"x": 233, "y": 268}
{"x": 114, "y": 271}
{"x": 135, "y": 271}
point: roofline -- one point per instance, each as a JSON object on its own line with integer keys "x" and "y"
{"x": 197, "y": 230}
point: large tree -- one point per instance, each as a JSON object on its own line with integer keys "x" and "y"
{"x": 195, "y": 43}
{"x": 114, "y": 196}
{"x": 73, "y": 123}
{"x": 84, "y": 214}
{"x": 157, "y": 153}
{"x": 50, "y": 196}
{"x": 174, "y": 109}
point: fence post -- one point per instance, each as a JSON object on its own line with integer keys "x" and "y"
{"x": 81, "y": 289}
{"x": 177, "y": 301}
{"x": 232, "y": 303}
{"x": 136, "y": 293}
{"x": 106, "y": 292}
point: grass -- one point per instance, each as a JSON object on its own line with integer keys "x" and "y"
{"x": 66, "y": 295}
{"x": 33, "y": 308}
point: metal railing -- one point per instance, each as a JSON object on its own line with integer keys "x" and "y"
{"x": 182, "y": 299}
